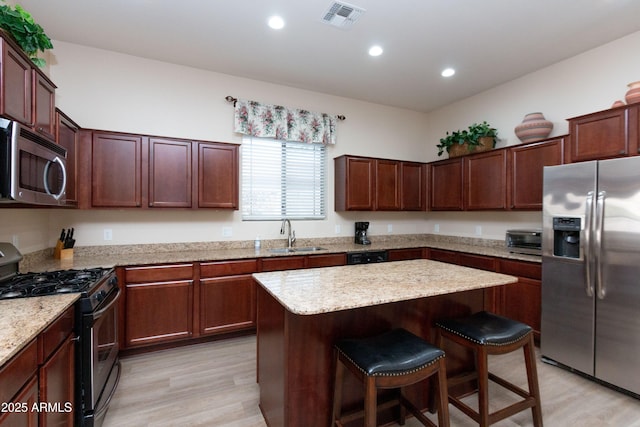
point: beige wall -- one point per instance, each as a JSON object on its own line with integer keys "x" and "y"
{"x": 107, "y": 90}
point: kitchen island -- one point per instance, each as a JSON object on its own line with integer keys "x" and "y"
{"x": 301, "y": 313}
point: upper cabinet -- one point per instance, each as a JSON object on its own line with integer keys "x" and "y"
{"x": 137, "y": 171}
{"x": 26, "y": 94}
{"x": 527, "y": 164}
{"x": 369, "y": 184}
{"x": 446, "y": 185}
{"x": 485, "y": 180}
{"x": 217, "y": 175}
{"x": 66, "y": 131}
{"x": 355, "y": 180}
{"x": 605, "y": 134}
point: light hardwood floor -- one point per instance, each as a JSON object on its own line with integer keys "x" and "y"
{"x": 213, "y": 384}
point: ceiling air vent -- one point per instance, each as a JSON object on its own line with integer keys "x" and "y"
{"x": 342, "y": 15}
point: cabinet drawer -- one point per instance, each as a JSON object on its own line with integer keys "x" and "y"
{"x": 521, "y": 269}
{"x": 326, "y": 260}
{"x": 478, "y": 261}
{"x": 405, "y": 254}
{"x": 228, "y": 268}
{"x": 17, "y": 371}
{"x": 55, "y": 334}
{"x": 443, "y": 256}
{"x": 158, "y": 273}
{"x": 283, "y": 263}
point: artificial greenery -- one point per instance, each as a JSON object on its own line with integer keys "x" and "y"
{"x": 471, "y": 136}
{"x": 29, "y": 35}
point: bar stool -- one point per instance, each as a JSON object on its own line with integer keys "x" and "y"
{"x": 488, "y": 334}
{"x": 394, "y": 359}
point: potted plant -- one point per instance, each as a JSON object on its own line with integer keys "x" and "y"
{"x": 30, "y": 36}
{"x": 477, "y": 137}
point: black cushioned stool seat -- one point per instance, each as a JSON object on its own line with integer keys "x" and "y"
{"x": 394, "y": 359}
{"x": 487, "y": 334}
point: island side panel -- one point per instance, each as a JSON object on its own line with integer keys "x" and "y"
{"x": 271, "y": 363}
{"x": 307, "y": 353}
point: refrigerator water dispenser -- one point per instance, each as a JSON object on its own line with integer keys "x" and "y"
{"x": 566, "y": 237}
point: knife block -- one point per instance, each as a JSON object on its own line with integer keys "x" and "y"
{"x": 60, "y": 253}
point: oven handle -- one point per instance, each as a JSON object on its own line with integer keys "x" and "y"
{"x": 100, "y": 312}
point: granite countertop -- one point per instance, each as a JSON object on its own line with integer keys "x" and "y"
{"x": 23, "y": 319}
{"x": 131, "y": 255}
{"x": 324, "y": 290}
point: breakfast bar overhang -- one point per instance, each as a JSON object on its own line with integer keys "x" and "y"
{"x": 302, "y": 313}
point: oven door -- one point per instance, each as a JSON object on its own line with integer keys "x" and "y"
{"x": 101, "y": 369}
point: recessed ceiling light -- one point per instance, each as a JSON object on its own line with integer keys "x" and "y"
{"x": 448, "y": 72}
{"x": 276, "y": 22}
{"x": 375, "y": 51}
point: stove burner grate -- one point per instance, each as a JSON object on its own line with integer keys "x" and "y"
{"x": 49, "y": 283}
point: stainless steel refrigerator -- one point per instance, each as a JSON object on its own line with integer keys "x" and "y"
{"x": 591, "y": 270}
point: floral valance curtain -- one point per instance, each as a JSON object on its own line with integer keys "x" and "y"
{"x": 288, "y": 124}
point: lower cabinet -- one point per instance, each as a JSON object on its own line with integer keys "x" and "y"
{"x": 523, "y": 300}
{"x": 37, "y": 385}
{"x": 227, "y": 296}
{"x": 158, "y": 304}
{"x": 405, "y": 254}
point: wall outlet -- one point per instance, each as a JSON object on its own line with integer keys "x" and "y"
{"x": 15, "y": 240}
{"x": 338, "y": 229}
{"x": 227, "y": 231}
{"x": 389, "y": 228}
{"x": 108, "y": 234}
{"x": 478, "y": 230}
{"x": 436, "y": 228}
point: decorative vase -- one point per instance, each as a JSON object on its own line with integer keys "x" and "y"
{"x": 533, "y": 128}
{"x": 617, "y": 104}
{"x": 633, "y": 94}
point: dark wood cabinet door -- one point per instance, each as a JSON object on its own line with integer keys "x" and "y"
{"x": 600, "y": 135}
{"x": 16, "y": 86}
{"x": 413, "y": 188}
{"x": 445, "y": 185}
{"x": 67, "y": 136}
{"x": 227, "y": 304}
{"x": 158, "y": 312}
{"x": 170, "y": 178}
{"x": 44, "y": 105}
{"x": 57, "y": 379}
{"x": 217, "y": 175}
{"x": 25, "y": 399}
{"x": 523, "y": 300}
{"x": 116, "y": 170}
{"x": 485, "y": 180}
{"x": 387, "y": 185}
{"x": 355, "y": 183}
{"x": 526, "y": 172}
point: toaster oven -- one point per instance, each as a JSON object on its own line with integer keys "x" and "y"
{"x": 524, "y": 241}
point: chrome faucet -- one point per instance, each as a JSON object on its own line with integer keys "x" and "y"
{"x": 291, "y": 236}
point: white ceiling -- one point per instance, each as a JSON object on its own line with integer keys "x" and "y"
{"x": 489, "y": 42}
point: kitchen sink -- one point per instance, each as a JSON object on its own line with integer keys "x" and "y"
{"x": 291, "y": 250}
{"x": 309, "y": 249}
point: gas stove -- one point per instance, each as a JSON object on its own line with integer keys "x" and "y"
{"x": 51, "y": 282}
{"x": 93, "y": 284}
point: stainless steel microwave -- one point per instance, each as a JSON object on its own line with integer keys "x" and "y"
{"x": 32, "y": 168}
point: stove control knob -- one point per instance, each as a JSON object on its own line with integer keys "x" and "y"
{"x": 100, "y": 296}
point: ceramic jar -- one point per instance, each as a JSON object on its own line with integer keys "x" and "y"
{"x": 533, "y": 128}
{"x": 633, "y": 94}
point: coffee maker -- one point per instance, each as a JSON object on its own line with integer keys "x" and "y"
{"x": 361, "y": 233}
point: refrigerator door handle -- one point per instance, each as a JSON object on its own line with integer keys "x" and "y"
{"x": 599, "y": 227}
{"x": 588, "y": 227}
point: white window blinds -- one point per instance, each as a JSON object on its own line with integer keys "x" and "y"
{"x": 282, "y": 179}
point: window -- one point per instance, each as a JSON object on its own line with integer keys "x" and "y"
{"x": 282, "y": 179}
